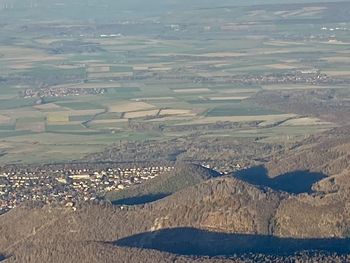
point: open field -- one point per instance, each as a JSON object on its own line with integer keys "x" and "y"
{"x": 140, "y": 114}
{"x": 129, "y": 106}
{"x": 305, "y": 122}
{"x": 274, "y": 118}
{"x": 105, "y": 85}
{"x": 338, "y": 73}
{"x": 177, "y": 112}
{"x": 109, "y": 121}
{"x": 200, "y": 91}
{"x": 297, "y": 87}
{"x": 174, "y": 131}
{"x": 48, "y": 106}
{"x": 61, "y": 117}
{"x": 145, "y": 78}
{"x": 4, "y": 119}
{"x": 31, "y": 126}
{"x": 229, "y": 98}
{"x": 102, "y": 75}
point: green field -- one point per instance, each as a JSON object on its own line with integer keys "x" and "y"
{"x": 157, "y": 72}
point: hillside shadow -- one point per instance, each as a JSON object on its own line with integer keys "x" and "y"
{"x": 195, "y": 242}
{"x": 295, "y": 182}
{"x": 139, "y": 200}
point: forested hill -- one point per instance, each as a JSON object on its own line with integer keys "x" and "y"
{"x": 183, "y": 176}
{"x": 220, "y": 210}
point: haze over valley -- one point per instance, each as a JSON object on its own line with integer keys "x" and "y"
{"x": 173, "y": 131}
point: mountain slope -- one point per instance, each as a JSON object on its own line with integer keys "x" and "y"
{"x": 183, "y": 176}
{"x": 322, "y": 215}
{"x": 223, "y": 205}
{"x": 328, "y": 152}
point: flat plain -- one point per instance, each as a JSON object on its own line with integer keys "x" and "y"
{"x": 73, "y": 91}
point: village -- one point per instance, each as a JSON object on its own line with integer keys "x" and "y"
{"x": 313, "y": 77}
{"x": 61, "y": 92}
{"x": 69, "y": 186}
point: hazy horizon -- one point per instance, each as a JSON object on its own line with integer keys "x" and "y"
{"x": 104, "y": 10}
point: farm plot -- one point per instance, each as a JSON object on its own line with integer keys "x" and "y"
{"x": 109, "y": 125}
{"x": 175, "y": 112}
{"x": 79, "y": 105}
{"x": 58, "y": 117}
{"x": 238, "y": 109}
{"x": 90, "y": 85}
{"x": 30, "y": 124}
{"x": 69, "y": 117}
{"x": 24, "y": 55}
{"x": 140, "y": 114}
{"x": 305, "y": 121}
{"x": 228, "y": 98}
{"x": 104, "y": 75}
{"x": 338, "y": 73}
{"x": 4, "y": 119}
{"x": 34, "y": 126}
{"x": 47, "y": 106}
{"x": 71, "y": 127}
{"x": 238, "y": 91}
{"x": 297, "y": 87}
{"x": 196, "y": 90}
{"x": 145, "y": 79}
{"x": 127, "y": 106}
{"x": 209, "y": 120}
{"x": 98, "y": 69}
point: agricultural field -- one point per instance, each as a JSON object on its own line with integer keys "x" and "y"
{"x": 67, "y": 90}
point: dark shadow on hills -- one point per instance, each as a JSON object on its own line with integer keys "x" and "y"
{"x": 138, "y": 200}
{"x": 294, "y": 182}
{"x": 2, "y": 257}
{"x": 191, "y": 241}
{"x": 183, "y": 176}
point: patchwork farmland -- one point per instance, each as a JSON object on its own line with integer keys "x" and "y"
{"x": 72, "y": 90}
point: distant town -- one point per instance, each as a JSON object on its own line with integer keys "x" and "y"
{"x": 68, "y": 186}
{"x": 308, "y": 76}
{"x": 61, "y": 92}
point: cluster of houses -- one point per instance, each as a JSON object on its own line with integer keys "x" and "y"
{"x": 298, "y": 77}
{"x": 224, "y": 169}
{"x": 66, "y": 187}
{"x": 61, "y": 92}
{"x": 334, "y": 28}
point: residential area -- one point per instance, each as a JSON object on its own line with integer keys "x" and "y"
{"x": 68, "y": 186}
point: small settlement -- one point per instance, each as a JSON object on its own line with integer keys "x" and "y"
{"x": 67, "y": 186}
